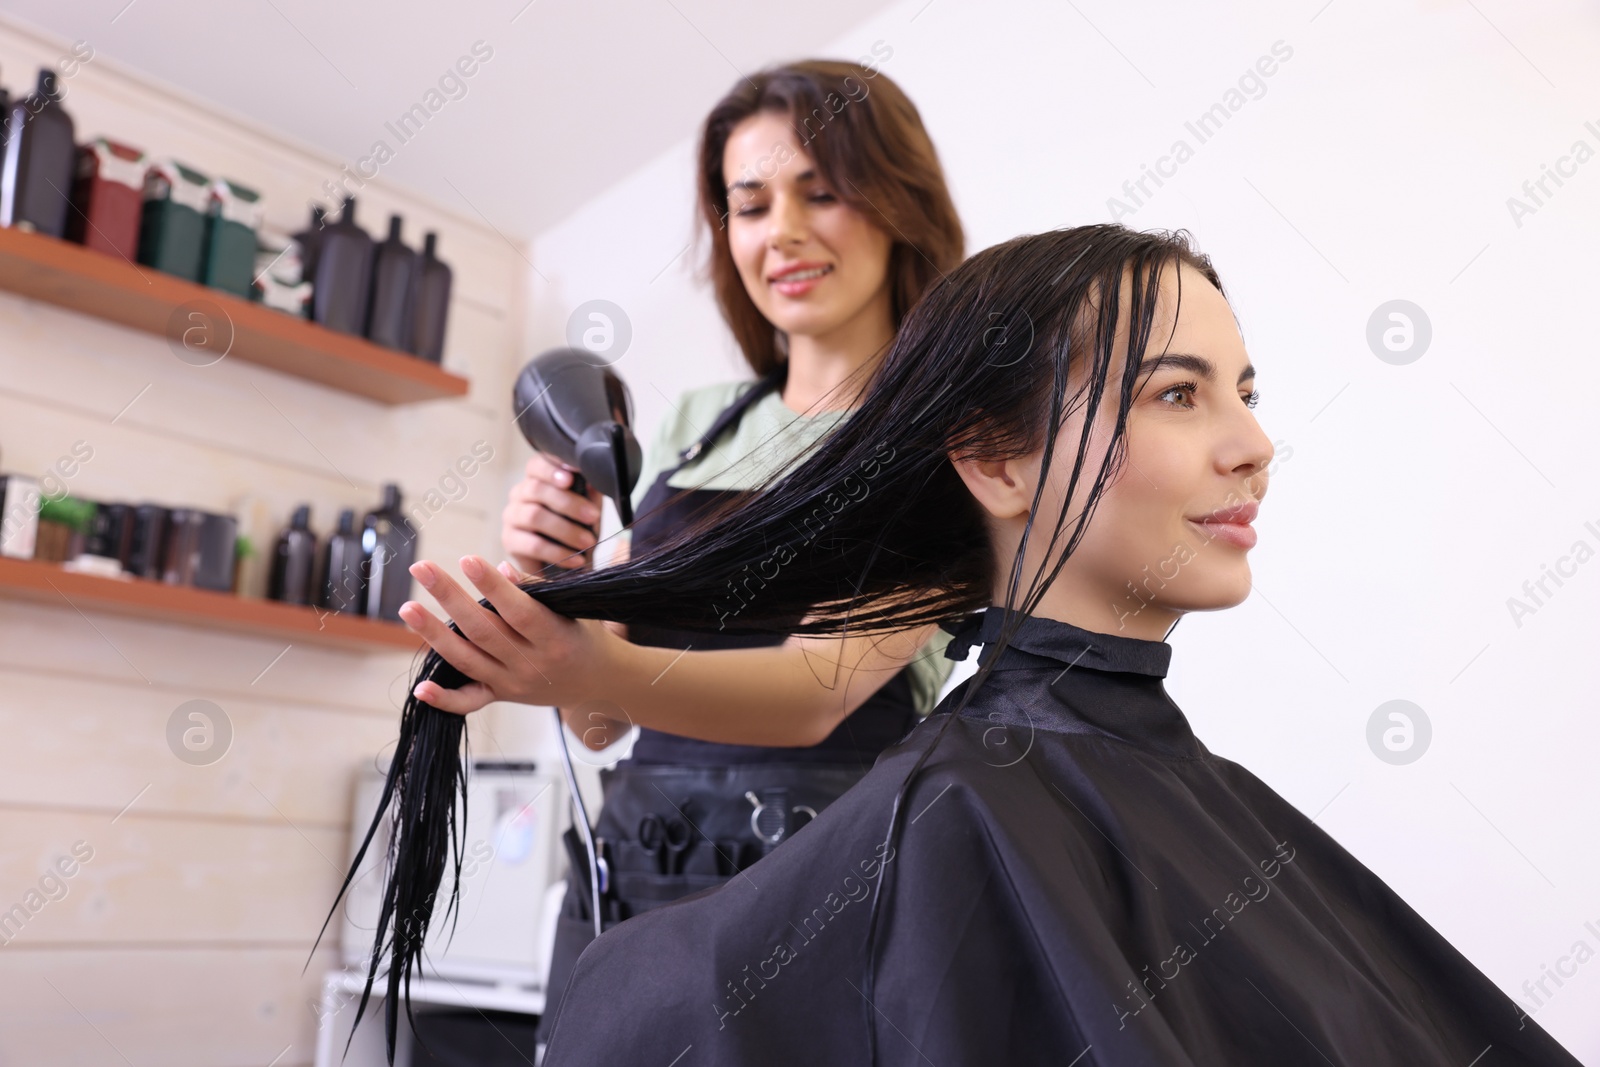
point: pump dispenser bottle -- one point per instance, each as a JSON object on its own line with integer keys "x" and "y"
{"x": 432, "y": 303}
{"x": 390, "y": 545}
{"x": 344, "y": 274}
{"x": 341, "y": 569}
{"x": 41, "y": 160}
{"x": 291, "y": 560}
{"x": 394, "y": 274}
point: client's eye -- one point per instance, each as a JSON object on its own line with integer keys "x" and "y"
{"x": 1184, "y": 387}
{"x": 1191, "y": 388}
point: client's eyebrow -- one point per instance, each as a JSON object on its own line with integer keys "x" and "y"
{"x": 1197, "y": 365}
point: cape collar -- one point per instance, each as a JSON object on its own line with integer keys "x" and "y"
{"x": 1060, "y": 641}
{"x": 1102, "y": 682}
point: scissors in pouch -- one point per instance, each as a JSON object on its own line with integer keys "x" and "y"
{"x": 668, "y": 839}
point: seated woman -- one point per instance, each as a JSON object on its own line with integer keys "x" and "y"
{"x": 1053, "y": 868}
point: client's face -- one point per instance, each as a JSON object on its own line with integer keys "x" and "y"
{"x": 1194, "y": 447}
{"x": 812, "y": 264}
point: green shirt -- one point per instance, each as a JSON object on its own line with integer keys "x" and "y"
{"x": 770, "y": 437}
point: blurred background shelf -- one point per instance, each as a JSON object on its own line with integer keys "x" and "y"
{"x": 49, "y": 583}
{"x": 91, "y": 282}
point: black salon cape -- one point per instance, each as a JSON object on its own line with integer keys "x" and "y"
{"x": 1077, "y": 881}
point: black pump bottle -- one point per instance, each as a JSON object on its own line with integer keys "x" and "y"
{"x": 344, "y": 274}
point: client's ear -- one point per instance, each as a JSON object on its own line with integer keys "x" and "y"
{"x": 1004, "y": 487}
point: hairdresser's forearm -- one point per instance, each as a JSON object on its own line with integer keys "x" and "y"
{"x": 750, "y": 696}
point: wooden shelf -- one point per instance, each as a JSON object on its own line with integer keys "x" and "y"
{"x": 50, "y": 583}
{"x": 111, "y": 288}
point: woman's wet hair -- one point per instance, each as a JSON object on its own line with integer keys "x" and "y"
{"x": 873, "y": 532}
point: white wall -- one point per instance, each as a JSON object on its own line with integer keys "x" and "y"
{"x": 1411, "y": 501}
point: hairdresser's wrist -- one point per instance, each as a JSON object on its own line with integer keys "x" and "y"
{"x": 623, "y": 670}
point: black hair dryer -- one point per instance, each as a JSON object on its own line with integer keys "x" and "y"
{"x": 578, "y": 412}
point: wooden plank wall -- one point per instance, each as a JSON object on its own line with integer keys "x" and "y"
{"x": 182, "y": 940}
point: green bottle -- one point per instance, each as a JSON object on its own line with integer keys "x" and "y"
{"x": 231, "y": 225}
{"x": 172, "y": 230}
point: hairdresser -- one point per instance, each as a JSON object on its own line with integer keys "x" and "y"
{"x": 828, "y": 216}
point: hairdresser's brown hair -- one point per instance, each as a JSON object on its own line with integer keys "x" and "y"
{"x": 870, "y": 147}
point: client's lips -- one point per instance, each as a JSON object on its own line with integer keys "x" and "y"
{"x": 1243, "y": 514}
{"x": 1231, "y": 524}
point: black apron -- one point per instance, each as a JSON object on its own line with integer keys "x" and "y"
{"x": 681, "y": 815}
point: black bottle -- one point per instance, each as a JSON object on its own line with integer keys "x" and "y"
{"x": 217, "y": 565}
{"x": 432, "y": 303}
{"x": 111, "y": 534}
{"x": 290, "y": 581}
{"x": 181, "y": 554}
{"x": 389, "y": 546}
{"x": 344, "y": 274}
{"x": 148, "y": 550}
{"x": 340, "y": 589}
{"x": 394, "y": 274}
{"x": 309, "y": 240}
{"x": 41, "y": 160}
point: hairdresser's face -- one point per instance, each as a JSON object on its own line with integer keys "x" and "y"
{"x": 781, "y": 216}
{"x": 1193, "y": 447}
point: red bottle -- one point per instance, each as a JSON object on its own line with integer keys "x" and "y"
{"x": 108, "y": 198}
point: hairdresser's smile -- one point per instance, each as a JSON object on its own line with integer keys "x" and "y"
{"x": 797, "y": 279}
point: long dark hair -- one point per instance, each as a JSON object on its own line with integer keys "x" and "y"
{"x": 873, "y": 532}
{"x": 871, "y": 149}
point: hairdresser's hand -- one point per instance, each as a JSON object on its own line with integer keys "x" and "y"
{"x": 619, "y": 554}
{"x": 544, "y": 520}
{"x": 527, "y": 654}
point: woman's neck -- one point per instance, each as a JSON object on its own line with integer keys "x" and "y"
{"x": 1117, "y": 612}
{"x": 830, "y": 371}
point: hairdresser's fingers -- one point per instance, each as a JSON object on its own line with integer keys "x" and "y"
{"x": 469, "y": 698}
{"x": 568, "y": 649}
{"x": 525, "y": 548}
{"x": 483, "y": 627}
{"x": 547, "y": 478}
{"x": 456, "y": 650}
{"x": 535, "y": 530}
{"x": 579, "y": 510}
{"x": 543, "y": 517}
{"x": 478, "y": 625}
{"x": 461, "y": 654}
{"x": 535, "y": 623}
{"x": 514, "y": 573}
{"x": 545, "y": 469}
